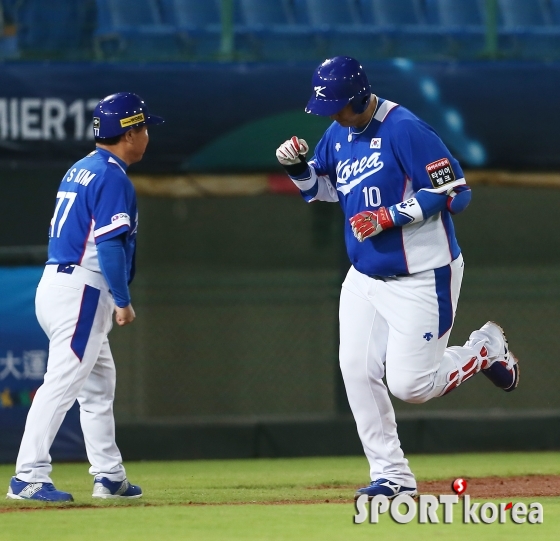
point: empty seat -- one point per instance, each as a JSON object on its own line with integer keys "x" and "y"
{"x": 192, "y": 14}
{"x": 328, "y": 13}
{"x": 272, "y": 12}
{"x": 199, "y": 23}
{"x": 522, "y": 13}
{"x": 343, "y": 30}
{"x": 459, "y": 14}
{"x": 398, "y": 12}
{"x": 530, "y": 28}
{"x": 272, "y": 32}
{"x": 462, "y": 24}
{"x": 555, "y": 11}
{"x": 54, "y": 29}
{"x": 134, "y": 30}
{"x": 405, "y": 24}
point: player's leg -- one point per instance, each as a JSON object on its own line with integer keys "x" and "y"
{"x": 75, "y": 320}
{"x": 420, "y": 310}
{"x": 97, "y": 420}
{"x": 363, "y": 338}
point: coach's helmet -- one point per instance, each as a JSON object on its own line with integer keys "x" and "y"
{"x": 337, "y": 82}
{"x": 118, "y": 113}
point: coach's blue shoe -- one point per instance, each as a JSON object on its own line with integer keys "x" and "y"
{"x": 385, "y": 488}
{"x": 45, "y": 492}
{"x": 104, "y": 488}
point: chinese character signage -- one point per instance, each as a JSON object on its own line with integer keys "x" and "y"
{"x": 23, "y": 363}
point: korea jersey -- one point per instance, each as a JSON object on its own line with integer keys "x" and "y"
{"x": 394, "y": 158}
{"x": 96, "y": 201}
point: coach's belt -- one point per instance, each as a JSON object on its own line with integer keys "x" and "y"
{"x": 66, "y": 269}
{"x": 385, "y": 278}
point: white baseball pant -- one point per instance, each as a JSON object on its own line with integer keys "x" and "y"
{"x": 404, "y": 324}
{"x": 75, "y": 311}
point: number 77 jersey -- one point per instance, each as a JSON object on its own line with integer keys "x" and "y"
{"x": 95, "y": 201}
{"x": 396, "y": 160}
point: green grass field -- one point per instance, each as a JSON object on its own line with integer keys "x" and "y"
{"x": 263, "y": 499}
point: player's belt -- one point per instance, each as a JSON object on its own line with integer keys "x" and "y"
{"x": 66, "y": 269}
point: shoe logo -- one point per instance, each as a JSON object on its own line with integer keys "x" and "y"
{"x": 428, "y": 336}
{"x": 393, "y": 486}
{"x": 30, "y": 490}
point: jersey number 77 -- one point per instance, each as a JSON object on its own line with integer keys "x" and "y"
{"x": 70, "y": 197}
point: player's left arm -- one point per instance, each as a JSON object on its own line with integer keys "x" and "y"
{"x": 439, "y": 183}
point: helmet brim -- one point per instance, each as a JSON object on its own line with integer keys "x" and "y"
{"x": 154, "y": 119}
{"x": 325, "y": 107}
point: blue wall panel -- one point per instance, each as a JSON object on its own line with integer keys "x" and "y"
{"x": 23, "y": 362}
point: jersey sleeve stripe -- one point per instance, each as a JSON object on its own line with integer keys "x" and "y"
{"x": 112, "y": 226}
{"x": 384, "y": 109}
{"x": 445, "y": 187}
{"x": 112, "y": 160}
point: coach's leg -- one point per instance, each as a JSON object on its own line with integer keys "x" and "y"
{"x": 75, "y": 322}
{"x": 363, "y": 338}
{"x": 97, "y": 420}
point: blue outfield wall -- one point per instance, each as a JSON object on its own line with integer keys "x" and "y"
{"x": 23, "y": 362}
{"x": 491, "y": 114}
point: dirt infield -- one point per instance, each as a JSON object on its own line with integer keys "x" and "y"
{"x": 499, "y": 487}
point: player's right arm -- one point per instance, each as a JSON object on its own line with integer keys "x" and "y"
{"x": 313, "y": 184}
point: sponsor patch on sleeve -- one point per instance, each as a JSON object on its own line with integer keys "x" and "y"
{"x": 122, "y": 216}
{"x": 440, "y": 172}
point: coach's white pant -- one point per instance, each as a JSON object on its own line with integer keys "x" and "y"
{"x": 404, "y": 323}
{"x": 75, "y": 311}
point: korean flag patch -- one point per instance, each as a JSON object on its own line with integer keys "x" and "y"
{"x": 440, "y": 172}
{"x": 375, "y": 142}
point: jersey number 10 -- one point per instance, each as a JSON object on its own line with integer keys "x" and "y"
{"x": 70, "y": 197}
{"x": 372, "y": 195}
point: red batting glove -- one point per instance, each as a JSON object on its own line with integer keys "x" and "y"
{"x": 370, "y": 223}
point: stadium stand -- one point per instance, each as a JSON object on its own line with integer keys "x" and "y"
{"x": 134, "y": 30}
{"x": 8, "y": 30}
{"x": 406, "y": 26}
{"x": 58, "y": 29}
{"x": 461, "y": 25}
{"x": 529, "y": 29}
{"x": 274, "y": 33}
{"x": 198, "y": 25}
{"x": 276, "y": 30}
{"x": 346, "y": 27}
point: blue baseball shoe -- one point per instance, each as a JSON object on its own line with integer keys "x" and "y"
{"x": 45, "y": 492}
{"x": 104, "y": 488}
{"x": 386, "y": 488}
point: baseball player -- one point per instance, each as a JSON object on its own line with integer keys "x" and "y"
{"x": 92, "y": 240}
{"x": 398, "y": 186}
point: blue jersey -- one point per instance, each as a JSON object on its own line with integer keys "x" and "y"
{"x": 96, "y": 201}
{"x": 396, "y": 156}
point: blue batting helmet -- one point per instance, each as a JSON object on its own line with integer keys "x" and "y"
{"x": 118, "y": 113}
{"x": 337, "y": 82}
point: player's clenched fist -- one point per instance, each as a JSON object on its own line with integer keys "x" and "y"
{"x": 370, "y": 223}
{"x": 289, "y": 151}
